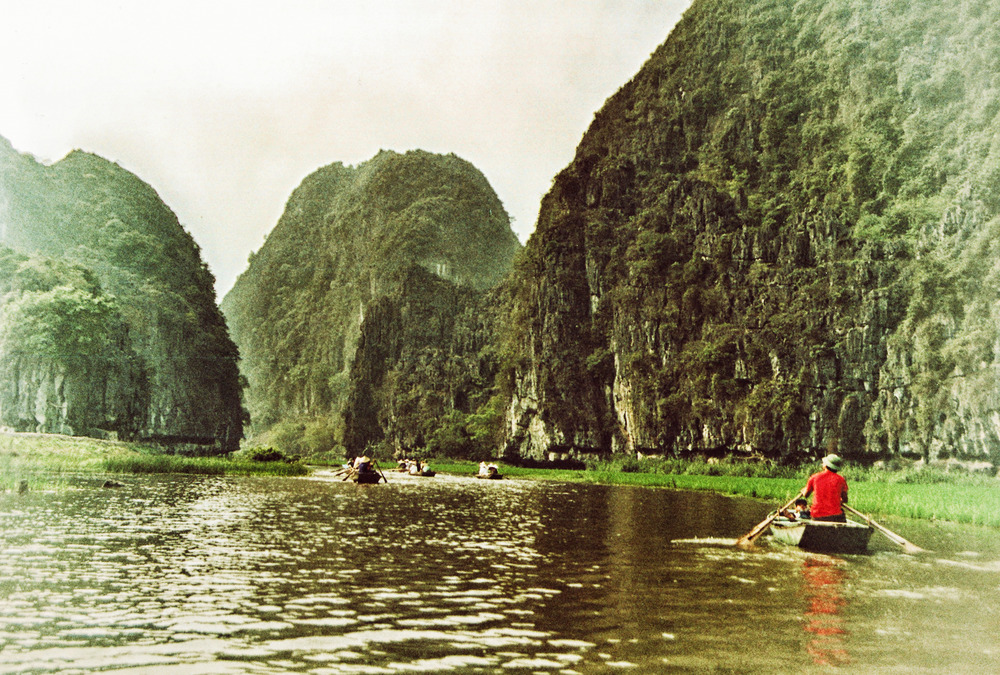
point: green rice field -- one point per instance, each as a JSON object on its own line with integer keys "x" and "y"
{"x": 48, "y": 461}
{"x": 928, "y": 495}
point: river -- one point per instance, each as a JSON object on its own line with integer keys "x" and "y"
{"x": 458, "y": 575}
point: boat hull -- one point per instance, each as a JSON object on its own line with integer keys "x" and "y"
{"x": 822, "y": 536}
{"x": 368, "y": 478}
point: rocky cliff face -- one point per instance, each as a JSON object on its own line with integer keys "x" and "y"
{"x": 392, "y": 250}
{"x": 776, "y": 239}
{"x": 66, "y": 362}
{"x": 162, "y": 367}
{"x": 423, "y": 354}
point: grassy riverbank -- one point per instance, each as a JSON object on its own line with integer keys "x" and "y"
{"x": 48, "y": 460}
{"x": 926, "y": 493}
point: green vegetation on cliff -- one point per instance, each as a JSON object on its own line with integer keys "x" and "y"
{"x": 776, "y": 238}
{"x": 386, "y": 259}
{"x": 63, "y": 339}
{"x": 115, "y": 301}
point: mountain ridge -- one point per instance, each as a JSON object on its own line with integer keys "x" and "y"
{"x": 91, "y": 212}
{"x": 749, "y": 251}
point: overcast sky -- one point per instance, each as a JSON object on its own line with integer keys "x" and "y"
{"x": 225, "y": 106}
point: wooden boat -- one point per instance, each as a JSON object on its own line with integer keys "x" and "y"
{"x": 490, "y": 476}
{"x": 822, "y": 536}
{"x": 368, "y": 477}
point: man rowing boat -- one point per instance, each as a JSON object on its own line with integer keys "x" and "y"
{"x": 830, "y": 490}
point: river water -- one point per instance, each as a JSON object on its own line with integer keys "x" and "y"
{"x": 457, "y": 575}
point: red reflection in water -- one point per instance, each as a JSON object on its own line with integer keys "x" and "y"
{"x": 823, "y": 579}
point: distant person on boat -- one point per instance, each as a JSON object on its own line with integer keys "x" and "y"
{"x": 483, "y": 470}
{"x": 829, "y": 490}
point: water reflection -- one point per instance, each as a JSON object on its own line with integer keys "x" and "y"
{"x": 454, "y": 575}
{"x": 823, "y": 581}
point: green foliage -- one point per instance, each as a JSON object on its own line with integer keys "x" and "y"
{"x": 304, "y": 437}
{"x": 212, "y": 466}
{"x": 348, "y": 253}
{"x": 785, "y": 212}
{"x": 64, "y": 324}
{"x": 474, "y": 436}
{"x": 113, "y": 261}
{"x": 451, "y": 439}
{"x": 263, "y": 455}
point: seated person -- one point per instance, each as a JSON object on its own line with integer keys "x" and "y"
{"x": 801, "y": 508}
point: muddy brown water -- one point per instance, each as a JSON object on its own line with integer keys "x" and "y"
{"x": 457, "y": 575}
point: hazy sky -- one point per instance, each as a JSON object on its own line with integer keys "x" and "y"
{"x": 225, "y": 106}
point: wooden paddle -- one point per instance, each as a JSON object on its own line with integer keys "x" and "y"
{"x": 909, "y": 547}
{"x": 751, "y": 536}
{"x": 375, "y": 463}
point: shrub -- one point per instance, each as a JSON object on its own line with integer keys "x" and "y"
{"x": 265, "y": 455}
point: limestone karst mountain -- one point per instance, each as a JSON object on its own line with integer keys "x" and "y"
{"x": 109, "y": 319}
{"x": 779, "y": 237}
{"x": 387, "y": 260}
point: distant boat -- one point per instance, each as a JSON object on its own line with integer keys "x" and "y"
{"x": 822, "y": 536}
{"x": 369, "y": 477}
{"x": 489, "y": 471}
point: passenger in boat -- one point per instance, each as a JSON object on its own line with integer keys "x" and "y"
{"x": 483, "y": 469}
{"x": 829, "y": 490}
{"x": 799, "y": 510}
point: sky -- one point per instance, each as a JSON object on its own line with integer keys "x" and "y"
{"x": 224, "y": 107}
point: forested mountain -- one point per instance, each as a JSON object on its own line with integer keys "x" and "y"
{"x": 386, "y": 262}
{"x": 109, "y": 319}
{"x": 779, "y": 237}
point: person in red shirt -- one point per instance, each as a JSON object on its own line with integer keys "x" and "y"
{"x": 830, "y": 491}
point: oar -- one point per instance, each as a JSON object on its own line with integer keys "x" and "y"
{"x": 909, "y": 547}
{"x": 351, "y": 473}
{"x": 751, "y": 536}
{"x": 375, "y": 462}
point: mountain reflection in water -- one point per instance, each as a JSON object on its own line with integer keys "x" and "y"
{"x": 447, "y": 574}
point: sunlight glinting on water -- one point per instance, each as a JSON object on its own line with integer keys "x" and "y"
{"x": 275, "y": 576}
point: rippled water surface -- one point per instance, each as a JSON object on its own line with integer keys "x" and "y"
{"x": 443, "y": 574}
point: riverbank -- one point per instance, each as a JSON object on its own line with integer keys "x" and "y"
{"x": 928, "y": 493}
{"x": 46, "y": 461}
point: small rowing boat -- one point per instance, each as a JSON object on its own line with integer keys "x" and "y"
{"x": 822, "y": 536}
